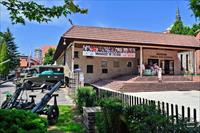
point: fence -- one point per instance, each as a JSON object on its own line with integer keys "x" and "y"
{"x": 173, "y": 110}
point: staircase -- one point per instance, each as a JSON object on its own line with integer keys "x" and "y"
{"x": 165, "y": 78}
{"x": 164, "y": 86}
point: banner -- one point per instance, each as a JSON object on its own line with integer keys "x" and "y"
{"x": 106, "y": 51}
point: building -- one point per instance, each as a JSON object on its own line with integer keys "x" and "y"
{"x": 45, "y": 49}
{"x": 38, "y": 55}
{"x": 26, "y": 61}
{"x": 102, "y": 53}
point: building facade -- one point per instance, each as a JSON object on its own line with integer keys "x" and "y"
{"x": 27, "y": 61}
{"x": 103, "y": 53}
{"x": 38, "y": 55}
{"x": 45, "y": 49}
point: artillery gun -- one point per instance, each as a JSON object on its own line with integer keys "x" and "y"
{"x": 42, "y": 107}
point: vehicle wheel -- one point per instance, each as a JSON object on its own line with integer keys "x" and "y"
{"x": 4, "y": 104}
{"x": 52, "y": 115}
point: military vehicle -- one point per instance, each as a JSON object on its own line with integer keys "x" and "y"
{"x": 39, "y": 75}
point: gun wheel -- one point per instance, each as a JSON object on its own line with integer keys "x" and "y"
{"x": 4, "y": 104}
{"x": 53, "y": 113}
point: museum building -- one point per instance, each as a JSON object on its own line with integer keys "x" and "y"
{"x": 103, "y": 53}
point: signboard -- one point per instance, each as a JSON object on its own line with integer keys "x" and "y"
{"x": 106, "y": 51}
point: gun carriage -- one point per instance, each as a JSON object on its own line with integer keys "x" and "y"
{"x": 42, "y": 107}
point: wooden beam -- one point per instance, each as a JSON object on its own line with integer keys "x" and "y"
{"x": 132, "y": 45}
{"x": 141, "y": 61}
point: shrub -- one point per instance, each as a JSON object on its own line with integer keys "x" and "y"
{"x": 144, "y": 118}
{"x": 147, "y": 119}
{"x": 86, "y": 97}
{"x": 21, "y": 121}
{"x": 111, "y": 119}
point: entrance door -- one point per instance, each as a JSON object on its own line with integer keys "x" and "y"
{"x": 167, "y": 66}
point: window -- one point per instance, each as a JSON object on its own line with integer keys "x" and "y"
{"x": 187, "y": 62}
{"x": 104, "y": 70}
{"x": 89, "y": 68}
{"x": 76, "y": 54}
{"x": 129, "y": 64}
{"x": 104, "y": 64}
{"x": 181, "y": 62}
{"x": 76, "y": 66}
{"x": 115, "y": 63}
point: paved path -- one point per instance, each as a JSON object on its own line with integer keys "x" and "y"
{"x": 181, "y": 98}
{"x": 63, "y": 97}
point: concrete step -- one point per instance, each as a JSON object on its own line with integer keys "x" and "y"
{"x": 165, "y": 78}
{"x": 164, "y": 86}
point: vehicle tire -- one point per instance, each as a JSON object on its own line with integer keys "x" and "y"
{"x": 4, "y": 104}
{"x": 52, "y": 115}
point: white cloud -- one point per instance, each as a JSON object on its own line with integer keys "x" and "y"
{"x": 101, "y": 24}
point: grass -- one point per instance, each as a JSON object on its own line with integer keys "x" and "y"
{"x": 67, "y": 121}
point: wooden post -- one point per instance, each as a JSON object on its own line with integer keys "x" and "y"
{"x": 72, "y": 65}
{"x": 194, "y": 62}
{"x": 172, "y": 113}
{"x": 188, "y": 114}
{"x": 141, "y": 60}
{"x": 195, "y": 115}
{"x": 167, "y": 108}
{"x": 176, "y": 110}
{"x": 183, "y": 112}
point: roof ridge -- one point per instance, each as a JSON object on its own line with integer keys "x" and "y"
{"x": 73, "y": 26}
{"x": 128, "y": 30}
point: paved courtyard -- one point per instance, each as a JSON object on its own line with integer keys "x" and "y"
{"x": 181, "y": 98}
{"x": 63, "y": 98}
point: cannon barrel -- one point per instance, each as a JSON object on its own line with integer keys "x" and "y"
{"x": 46, "y": 98}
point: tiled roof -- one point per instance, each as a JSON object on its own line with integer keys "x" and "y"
{"x": 130, "y": 36}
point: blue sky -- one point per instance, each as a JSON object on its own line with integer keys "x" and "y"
{"x": 146, "y": 15}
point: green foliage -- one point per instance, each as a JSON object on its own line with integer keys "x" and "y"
{"x": 48, "y": 58}
{"x": 145, "y": 118}
{"x": 20, "y": 10}
{"x": 180, "y": 28}
{"x": 86, "y": 97}
{"x": 117, "y": 118}
{"x": 12, "y": 49}
{"x": 195, "y": 7}
{"x": 112, "y": 119}
{"x": 66, "y": 122}
{"x": 21, "y": 121}
{"x": 4, "y": 67}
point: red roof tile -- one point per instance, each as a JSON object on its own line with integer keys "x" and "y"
{"x": 129, "y": 36}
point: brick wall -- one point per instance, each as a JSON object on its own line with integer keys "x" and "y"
{"x": 97, "y": 74}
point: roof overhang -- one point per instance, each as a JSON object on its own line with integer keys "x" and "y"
{"x": 61, "y": 47}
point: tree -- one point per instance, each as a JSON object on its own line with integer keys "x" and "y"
{"x": 4, "y": 67}
{"x": 19, "y": 10}
{"x": 12, "y": 49}
{"x": 180, "y": 28}
{"x": 195, "y": 7}
{"x": 177, "y": 28}
{"x": 48, "y": 58}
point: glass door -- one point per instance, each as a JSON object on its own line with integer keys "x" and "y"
{"x": 167, "y": 67}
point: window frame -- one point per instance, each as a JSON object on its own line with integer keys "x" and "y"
{"x": 77, "y": 54}
{"x": 90, "y": 71}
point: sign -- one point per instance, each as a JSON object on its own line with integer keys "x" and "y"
{"x": 161, "y": 55}
{"x": 106, "y": 51}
